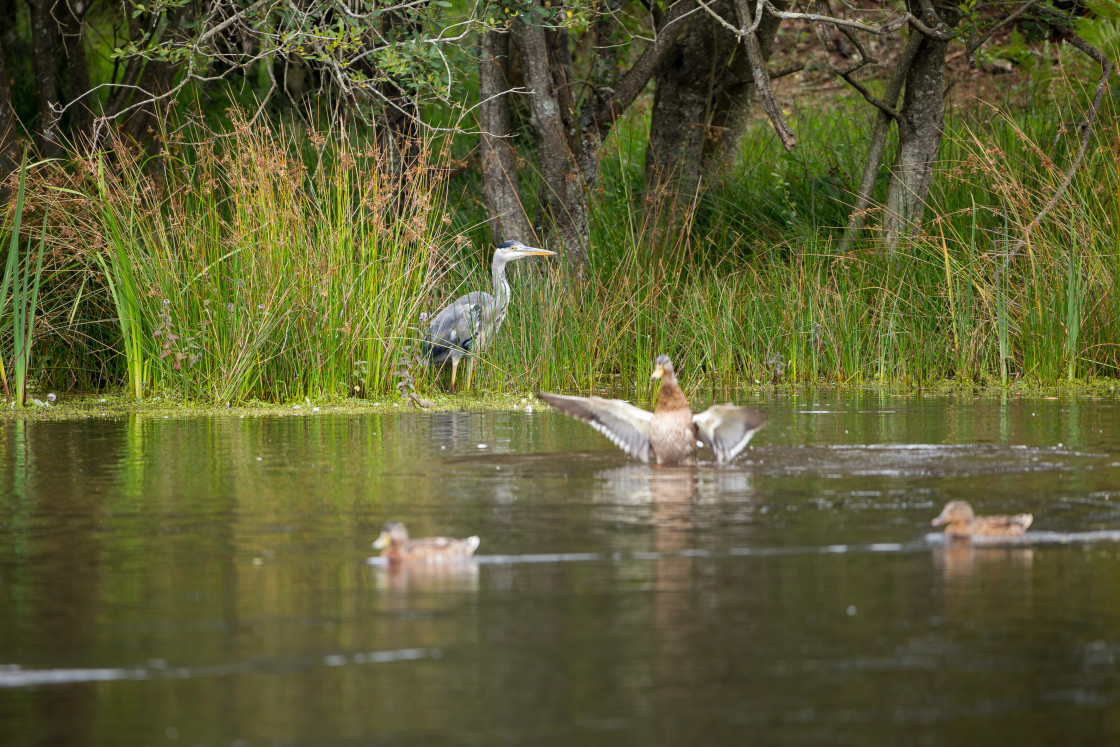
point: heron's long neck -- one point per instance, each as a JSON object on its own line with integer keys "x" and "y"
{"x": 501, "y": 288}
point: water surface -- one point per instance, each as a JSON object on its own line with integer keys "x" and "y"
{"x": 206, "y": 581}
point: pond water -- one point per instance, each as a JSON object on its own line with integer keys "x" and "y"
{"x": 206, "y": 581}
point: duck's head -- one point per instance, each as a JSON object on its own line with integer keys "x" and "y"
{"x": 954, "y": 511}
{"x": 393, "y": 533}
{"x": 662, "y": 368}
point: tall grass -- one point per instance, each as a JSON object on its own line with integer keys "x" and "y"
{"x": 735, "y": 304}
{"x": 240, "y": 269}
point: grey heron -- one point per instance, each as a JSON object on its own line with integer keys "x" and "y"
{"x": 670, "y": 432}
{"x": 466, "y": 326}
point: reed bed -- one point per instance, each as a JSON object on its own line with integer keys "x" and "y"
{"x": 750, "y": 289}
{"x": 242, "y": 268}
{"x": 274, "y": 265}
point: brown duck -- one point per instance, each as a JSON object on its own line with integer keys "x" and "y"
{"x": 395, "y": 545}
{"x": 671, "y": 431}
{"x": 962, "y": 522}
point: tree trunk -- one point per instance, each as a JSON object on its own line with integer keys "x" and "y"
{"x": 402, "y": 115}
{"x": 9, "y": 29}
{"x": 702, "y": 104}
{"x": 604, "y": 78}
{"x": 9, "y": 156}
{"x": 500, "y": 184}
{"x": 563, "y": 201}
{"x": 44, "y": 59}
{"x": 156, "y": 78}
{"x": 731, "y": 111}
{"x": 921, "y": 123}
{"x": 878, "y": 142}
{"x": 73, "y": 20}
{"x": 610, "y": 92}
{"x": 686, "y": 84}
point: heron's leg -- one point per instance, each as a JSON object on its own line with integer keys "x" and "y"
{"x": 454, "y": 368}
{"x": 470, "y": 371}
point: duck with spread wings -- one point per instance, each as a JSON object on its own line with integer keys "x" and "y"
{"x": 670, "y": 433}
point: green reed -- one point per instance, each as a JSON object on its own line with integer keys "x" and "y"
{"x": 736, "y": 306}
{"x": 248, "y": 271}
{"x": 24, "y": 285}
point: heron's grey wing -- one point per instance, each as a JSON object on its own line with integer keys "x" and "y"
{"x": 625, "y": 425}
{"x": 727, "y": 429}
{"x": 454, "y": 328}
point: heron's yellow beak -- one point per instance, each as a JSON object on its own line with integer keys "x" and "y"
{"x": 381, "y": 542}
{"x": 531, "y": 251}
{"x": 658, "y": 372}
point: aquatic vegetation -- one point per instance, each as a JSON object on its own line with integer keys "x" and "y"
{"x": 25, "y": 298}
{"x": 243, "y": 268}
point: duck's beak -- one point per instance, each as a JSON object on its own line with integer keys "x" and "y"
{"x": 530, "y": 251}
{"x": 381, "y": 542}
{"x": 940, "y": 520}
{"x": 658, "y": 372}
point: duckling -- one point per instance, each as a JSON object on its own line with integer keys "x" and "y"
{"x": 395, "y": 545}
{"x": 670, "y": 433}
{"x": 963, "y": 523}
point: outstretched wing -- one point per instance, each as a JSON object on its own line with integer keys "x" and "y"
{"x": 454, "y": 329}
{"x": 727, "y": 429}
{"x": 625, "y": 425}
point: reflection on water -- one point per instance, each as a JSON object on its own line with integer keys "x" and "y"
{"x": 965, "y": 561}
{"x": 208, "y": 581}
{"x": 425, "y": 578}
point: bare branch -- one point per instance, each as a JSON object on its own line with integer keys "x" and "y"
{"x": 881, "y": 30}
{"x": 761, "y": 79}
{"x": 787, "y": 71}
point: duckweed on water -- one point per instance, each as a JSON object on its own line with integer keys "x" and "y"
{"x": 115, "y": 405}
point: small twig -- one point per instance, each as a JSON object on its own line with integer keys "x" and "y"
{"x": 787, "y": 71}
{"x": 882, "y": 106}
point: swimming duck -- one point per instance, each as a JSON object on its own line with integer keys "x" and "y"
{"x": 670, "y": 432}
{"x": 395, "y": 545}
{"x": 962, "y": 522}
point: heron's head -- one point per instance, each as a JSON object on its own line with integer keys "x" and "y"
{"x": 393, "y": 533}
{"x": 508, "y": 251}
{"x": 662, "y": 367}
{"x": 954, "y": 511}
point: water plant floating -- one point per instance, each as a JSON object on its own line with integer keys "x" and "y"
{"x": 467, "y": 325}
{"x": 960, "y": 521}
{"x": 395, "y": 545}
{"x": 671, "y": 432}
